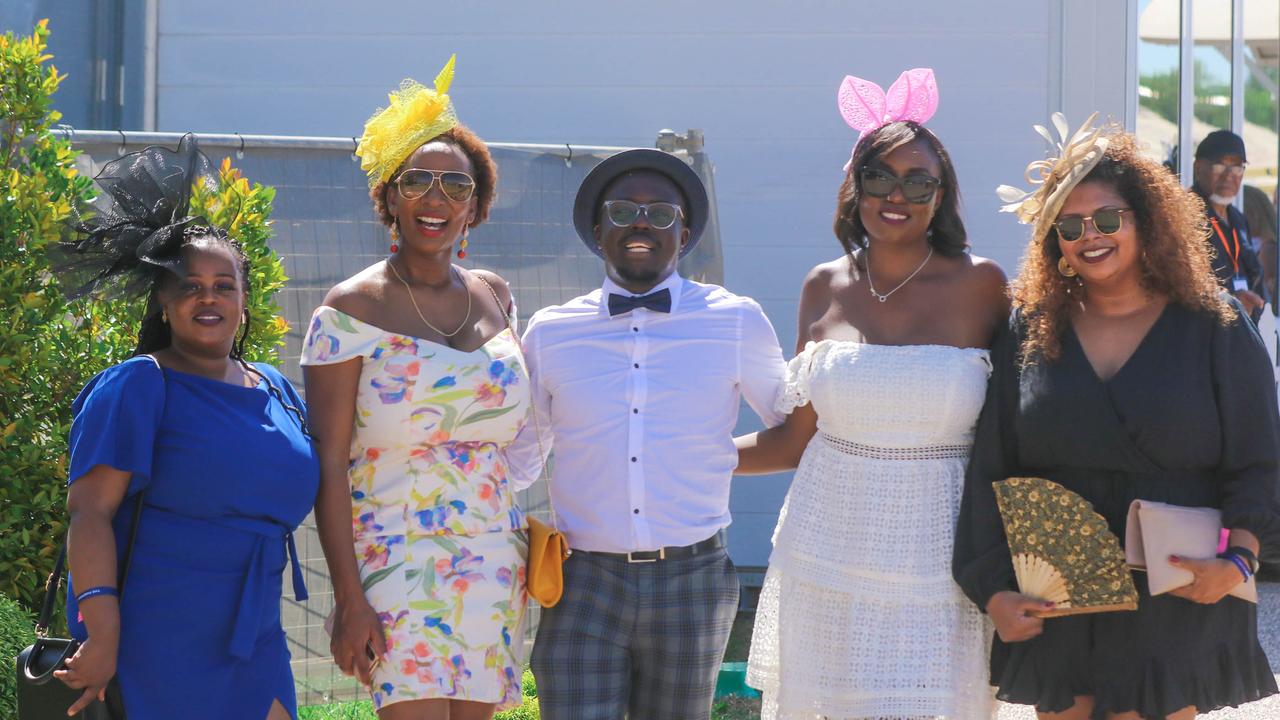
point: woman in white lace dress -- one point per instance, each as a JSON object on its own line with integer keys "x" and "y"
{"x": 859, "y": 616}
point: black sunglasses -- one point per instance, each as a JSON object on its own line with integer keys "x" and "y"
{"x": 916, "y": 189}
{"x": 457, "y": 186}
{"x": 1106, "y": 221}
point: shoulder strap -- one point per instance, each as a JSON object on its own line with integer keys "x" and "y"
{"x": 533, "y": 411}
{"x": 122, "y": 572}
{"x": 505, "y": 314}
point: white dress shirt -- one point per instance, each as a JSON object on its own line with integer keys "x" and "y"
{"x": 640, "y": 409}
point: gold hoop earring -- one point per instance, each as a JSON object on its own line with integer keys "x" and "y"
{"x": 1065, "y": 268}
{"x": 164, "y": 316}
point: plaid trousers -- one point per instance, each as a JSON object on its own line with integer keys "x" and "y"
{"x": 636, "y": 641}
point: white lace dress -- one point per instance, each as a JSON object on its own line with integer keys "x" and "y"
{"x": 859, "y": 616}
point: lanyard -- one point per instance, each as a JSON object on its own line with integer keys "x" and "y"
{"x": 1235, "y": 258}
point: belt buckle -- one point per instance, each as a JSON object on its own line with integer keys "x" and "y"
{"x": 662, "y": 555}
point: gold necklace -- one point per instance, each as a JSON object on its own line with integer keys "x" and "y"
{"x": 885, "y": 296}
{"x": 418, "y": 310}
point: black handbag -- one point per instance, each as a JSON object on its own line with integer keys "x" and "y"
{"x": 41, "y": 696}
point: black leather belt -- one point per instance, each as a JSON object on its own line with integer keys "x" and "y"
{"x": 715, "y": 542}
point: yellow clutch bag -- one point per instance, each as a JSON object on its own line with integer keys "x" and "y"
{"x": 1062, "y": 549}
{"x": 548, "y": 550}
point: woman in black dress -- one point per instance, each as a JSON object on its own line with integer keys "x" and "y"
{"x": 1125, "y": 374}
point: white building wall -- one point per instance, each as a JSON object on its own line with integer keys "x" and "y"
{"x": 758, "y": 77}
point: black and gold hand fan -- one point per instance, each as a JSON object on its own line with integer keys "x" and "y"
{"x": 1062, "y": 550}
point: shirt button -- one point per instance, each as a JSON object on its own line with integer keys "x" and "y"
{"x": 635, "y": 411}
{"x": 636, "y": 365}
{"x": 635, "y": 329}
{"x": 636, "y": 511}
{"x": 633, "y": 459}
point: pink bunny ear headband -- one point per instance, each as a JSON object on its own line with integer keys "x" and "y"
{"x": 865, "y": 107}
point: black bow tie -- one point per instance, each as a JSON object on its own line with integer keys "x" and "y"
{"x": 658, "y": 302}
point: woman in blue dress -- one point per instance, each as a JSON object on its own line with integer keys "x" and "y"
{"x": 215, "y": 449}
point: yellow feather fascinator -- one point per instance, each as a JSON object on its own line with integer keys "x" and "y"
{"x": 416, "y": 114}
{"x": 1077, "y": 154}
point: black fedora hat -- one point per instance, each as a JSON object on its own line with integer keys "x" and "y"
{"x": 679, "y": 172}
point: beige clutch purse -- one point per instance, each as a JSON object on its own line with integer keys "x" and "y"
{"x": 1154, "y": 531}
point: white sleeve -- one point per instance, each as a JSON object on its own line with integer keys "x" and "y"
{"x": 795, "y": 391}
{"x": 762, "y": 371}
{"x": 528, "y": 453}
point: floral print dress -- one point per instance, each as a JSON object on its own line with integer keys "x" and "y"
{"x": 439, "y": 540}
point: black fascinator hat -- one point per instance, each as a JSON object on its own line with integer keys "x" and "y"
{"x": 134, "y": 230}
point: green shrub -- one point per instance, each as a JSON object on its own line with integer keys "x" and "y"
{"x": 44, "y": 357}
{"x": 49, "y": 348}
{"x": 16, "y": 632}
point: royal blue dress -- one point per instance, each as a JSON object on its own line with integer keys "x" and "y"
{"x": 227, "y": 475}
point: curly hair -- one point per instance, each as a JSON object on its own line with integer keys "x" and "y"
{"x": 948, "y": 236}
{"x": 1171, "y": 228}
{"x": 482, "y": 165}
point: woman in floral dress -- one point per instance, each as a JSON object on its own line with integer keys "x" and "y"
{"x": 416, "y": 387}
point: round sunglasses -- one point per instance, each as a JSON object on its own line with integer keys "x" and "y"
{"x": 624, "y": 213}
{"x": 916, "y": 189}
{"x": 1106, "y": 221}
{"x": 457, "y": 186}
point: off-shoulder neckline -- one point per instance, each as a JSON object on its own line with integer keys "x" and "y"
{"x": 384, "y": 331}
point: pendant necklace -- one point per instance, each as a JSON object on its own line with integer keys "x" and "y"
{"x": 885, "y": 296}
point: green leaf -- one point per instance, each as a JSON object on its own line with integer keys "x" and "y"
{"x": 488, "y": 414}
{"x": 377, "y": 575}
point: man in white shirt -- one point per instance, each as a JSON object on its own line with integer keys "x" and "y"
{"x": 637, "y": 387}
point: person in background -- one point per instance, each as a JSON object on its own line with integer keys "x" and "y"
{"x": 1260, "y": 213}
{"x": 1218, "y": 173}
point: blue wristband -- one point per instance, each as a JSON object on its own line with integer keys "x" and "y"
{"x": 96, "y": 591}
{"x": 1240, "y": 564}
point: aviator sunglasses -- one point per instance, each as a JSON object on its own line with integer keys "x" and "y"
{"x": 457, "y": 186}
{"x": 1106, "y": 221}
{"x": 624, "y": 213}
{"x": 916, "y": 189}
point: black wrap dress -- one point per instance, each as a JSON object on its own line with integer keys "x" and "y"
{"x": 1190, "y": 419}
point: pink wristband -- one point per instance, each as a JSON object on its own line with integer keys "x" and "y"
{"x": 1224, "y": 540}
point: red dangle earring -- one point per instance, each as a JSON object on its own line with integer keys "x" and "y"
{"x": 395, "y": 238}
{"x": 462, "y": 246}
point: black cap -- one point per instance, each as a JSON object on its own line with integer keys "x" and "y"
{"x": 1220, "y": 143}
{"x": 690, "y": 185}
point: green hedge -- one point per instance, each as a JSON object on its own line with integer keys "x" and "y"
{"x": 17, "y": 631}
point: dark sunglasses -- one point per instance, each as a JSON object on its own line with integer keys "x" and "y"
{"x": 624, "y": 213}
{"x": 457, "y": 186}
{"x": 916, "y": 189}
{"x": 1106, "y": 221}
